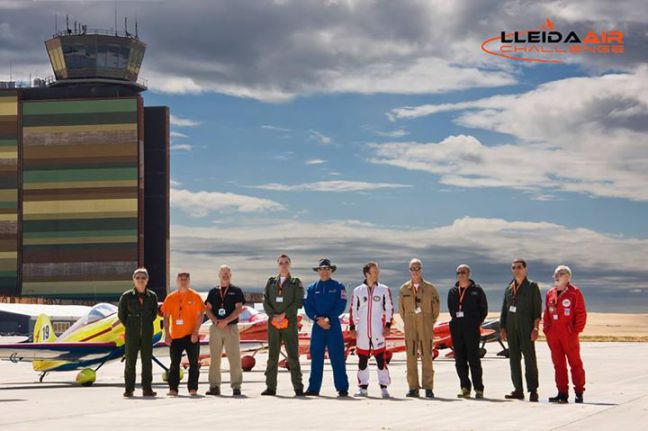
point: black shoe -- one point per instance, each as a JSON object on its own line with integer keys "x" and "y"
{"x": 413, "y": 393}
{"x": 269, "y": 392}
{"x": 299, "y": 392}
{"x": 561, "y": 398}
{"x": 148, "y": 393}
{"x": 533, "y": 397}
{"x": 310, "y": 393}
{"x": 128, "y": 394}
{"x": 579, "y": 398}
{"x": 215, "y": 391}
{"x": 515, "y": 395}
{"x": 429, "y": 393}
{"x": 236, "y": 392}
{"x": 343, "y": 394}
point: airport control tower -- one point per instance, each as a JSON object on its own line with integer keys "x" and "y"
{"x": 84, "y": 173}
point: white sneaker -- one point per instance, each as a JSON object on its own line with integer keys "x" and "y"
{"x": 361, "y": 392}
{"x": 385, "y": 392}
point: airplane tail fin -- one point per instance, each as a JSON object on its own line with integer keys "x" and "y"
{"x": 43, "y": 330}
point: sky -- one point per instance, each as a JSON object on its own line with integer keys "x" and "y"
{"x": 379, "y": 130}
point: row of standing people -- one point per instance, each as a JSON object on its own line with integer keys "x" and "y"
{"x": 371, "y": 312}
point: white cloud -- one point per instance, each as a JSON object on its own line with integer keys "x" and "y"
{"x": 583, "y": 135}
{"x": 183, "y": 122}
{"x": 330, "y": 186}
{"x": 275, "y": 128}
{"x": 600, "y": 261}
{"x": 320, "y": 138}
{"x": 398, "y": 133}
{"x": 315, "y": 161}
{"x": 175, "y": 134}
{"x": 181, "y": 147}
{"x": 203, "y": 203}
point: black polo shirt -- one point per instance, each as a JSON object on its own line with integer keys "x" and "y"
{"x": 233, "y": 295}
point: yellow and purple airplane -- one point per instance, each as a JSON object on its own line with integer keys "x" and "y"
{"x": 93, "y": 340}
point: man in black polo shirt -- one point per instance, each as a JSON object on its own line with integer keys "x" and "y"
{"x": 224, "y": 305}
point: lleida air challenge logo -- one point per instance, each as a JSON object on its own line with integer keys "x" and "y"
{"x": 548, "y": 44}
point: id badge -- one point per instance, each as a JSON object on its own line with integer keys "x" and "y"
{"x": 460, "y": 314}
{"x": 418, "y": 310}
{"x": 555, "y": 317}
{"x": 179, "y": 322}
{"x": 512, "y": 308}
{"x": 279, "y": 298}
{"x": 221, "y": 312}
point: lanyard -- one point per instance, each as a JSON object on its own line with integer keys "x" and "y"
{"x": 222, "y": 295}
{"x": 414, "y": 290}
{"x": 461, "y": 296}
{"x": 514, "y": 289}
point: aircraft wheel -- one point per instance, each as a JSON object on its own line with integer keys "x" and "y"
{"x": 86, "y": 377}
{"x": 482, "y": 352}
{"x": 165, "y": 375}
{"x": 248, "y": 362}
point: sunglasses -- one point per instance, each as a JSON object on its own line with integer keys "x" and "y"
{"x": 462, "y": 272}
{"x": 415, "y": 269}
{"x": 514, "y": 267}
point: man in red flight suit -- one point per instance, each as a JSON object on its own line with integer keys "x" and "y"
{"x": 564, "y": 318}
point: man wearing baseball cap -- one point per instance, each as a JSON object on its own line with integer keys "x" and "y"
{"x": 325, "y": 300}
{"x": 137, "y": 312}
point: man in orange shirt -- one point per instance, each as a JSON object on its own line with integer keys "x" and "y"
{"x": 183, "y": 314}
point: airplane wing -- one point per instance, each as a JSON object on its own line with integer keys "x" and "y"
{"x": 71, "y": 352}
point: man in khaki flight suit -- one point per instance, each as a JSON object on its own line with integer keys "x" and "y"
{"x": 419, "y": 309}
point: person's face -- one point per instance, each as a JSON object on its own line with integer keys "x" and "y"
{"x": 225, "y": 276}
{"x": 324, "y": 273}
{"x": 415, "y": 271}
{"x": 561, "y": 279}
{"x": 373, "y": 274}
{"x": 140, "y": 280}
{"x": 183, "y": 281}
{"x": 463, "y": 275}
{"x": 284, "y": 265}
{"x": 518, "y": 270}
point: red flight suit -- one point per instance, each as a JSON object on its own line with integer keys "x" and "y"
{"x": 564, "y": 318}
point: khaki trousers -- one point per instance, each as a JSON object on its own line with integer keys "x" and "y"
{"x": 228, "y": 337}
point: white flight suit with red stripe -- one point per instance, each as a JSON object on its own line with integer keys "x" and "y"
{"x": 371, "y": 311}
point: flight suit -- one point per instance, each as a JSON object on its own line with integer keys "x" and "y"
{"x": 327, "y": 299}
{"x": 519, "y": 311}
{"x": 138, "y": 313}
{"x": 287, "y": 299}
{"x": 419, "y": 309}
{"x": 564, "y": 318}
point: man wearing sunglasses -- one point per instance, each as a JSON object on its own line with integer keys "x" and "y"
{"x": 564, "y": 318}
{"x": 419, "y": 309}
{"x": 325, "y": 300}
{"x": 282, "y": 299}
{"x": 137, "y": 311}
{"x": 519, "y": 325}
{"x": 468, "y": 308}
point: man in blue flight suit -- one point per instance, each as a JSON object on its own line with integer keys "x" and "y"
{"x": 325, "y": 300}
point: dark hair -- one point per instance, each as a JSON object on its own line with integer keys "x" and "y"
{"x": 368, "y": 266}
{"x": 283, "y": 256}
{"x": 520, "y": 260}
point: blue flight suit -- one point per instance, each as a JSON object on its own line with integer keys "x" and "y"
{"x": 327, "y": 299}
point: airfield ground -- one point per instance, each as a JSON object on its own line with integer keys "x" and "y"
{"x": 616, "y": 398}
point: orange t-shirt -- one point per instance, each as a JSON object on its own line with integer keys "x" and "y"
{"x": 183, "y": 309}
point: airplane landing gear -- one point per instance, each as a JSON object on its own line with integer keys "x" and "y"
{"x": 86, "y": 377}
{"x": 42, "y": 376}
{"x": 248, "y": 362}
